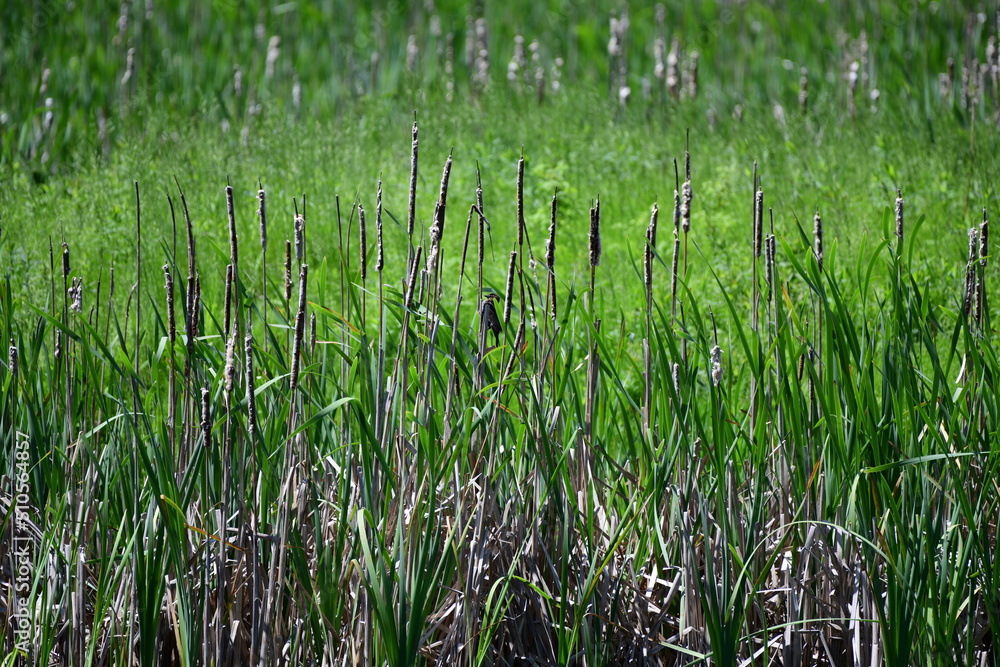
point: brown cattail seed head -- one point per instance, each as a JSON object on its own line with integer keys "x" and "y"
{"x": 171, "y": 318}
{"x": 251, "y": 397}
{"x": 76, "y": 295}
{"x": 262, "y": 215}
{"x": 443, "y": 196}
{"x": 899, "y": 213}
{"x": 65, "y": 260}
{"x": 984, "y": 231}
{"x": 595, "y": 234}
{"x": 685, "y": 209}
{"x": 550, "y": 244}
{"x": 520, "y": 201}
{"x": 206, "y": 416}
{"x": 379, "y": 253}
{"x": 970, "y": 271}
{"x": 230, "y": 209}
{"x": 509, "y": 293}
{"x": 769, "y": 254}
{"x": 288, "y": 269}
{"x": 758, "y": 221}
{"x": 363, "y": 246}
{"x": 227, "y": 308}
{"x": 818, "y": 235}
{"x": 300, "y": 240}
{"x": 650, "y": 246}
{"x": 300, "y": 326}
{"x": 411, "y": 218}
{"x": 312, "y": 332}
{"x": 229, "y": 374}
{"x": 716, "y": 365}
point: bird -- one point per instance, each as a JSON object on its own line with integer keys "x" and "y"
{"x": 490, "y": 321}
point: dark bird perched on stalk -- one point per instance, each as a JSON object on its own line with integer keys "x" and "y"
{"x": 490, "y": 321}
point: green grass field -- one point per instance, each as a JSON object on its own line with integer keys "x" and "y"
{"x": 753, "y": 425}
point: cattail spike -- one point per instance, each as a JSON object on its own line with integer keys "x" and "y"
{"x": 984, "y": 230}
{"x": 411, "y": 218}
{"x": 970, "y": 271}
{"x": 758, "y": 222}
{"x": 509, "y": 293}
{"x": 363, "y": 246}
{"x": 300, "y": 325}
{"x": 300, "y": 238}
{"x": 262, "y": 215}
{"x": 65, "y": 261}
{"x": 686, "y": 196}
{"x": 206, "y": 416}
{"x": 231, "y": 210}
{"x": 818, "y": 235}
{"x": 520, "y": 201}
{"x": 228, "y": 305}
{"x": 288, "y": 269}
{"x": 595, "y": 234}
{"x": 550, "y": 244}
{"x": 650, "y": 246}
{"x": 251, "y": 391}
{"x": 229, "y": 374}
{"x": 716, "y": 366}
{"x": 12, "y": 358}
{"x": 171, "y": 318}
{"x": 379, "y": 251}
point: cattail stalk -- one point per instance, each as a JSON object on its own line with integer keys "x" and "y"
{"x": 363, "y": 241}
{"x": 262, "y": 217}
{"x": 411, "y": 283}
{"x": 172, "y": 337}
{"x": 550, "y": 257}
{"x": 648, "y": 257}
{"x": 677, "y": 254}
{"x": 769, "y": 255}
{"x": 312, "y": 333}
